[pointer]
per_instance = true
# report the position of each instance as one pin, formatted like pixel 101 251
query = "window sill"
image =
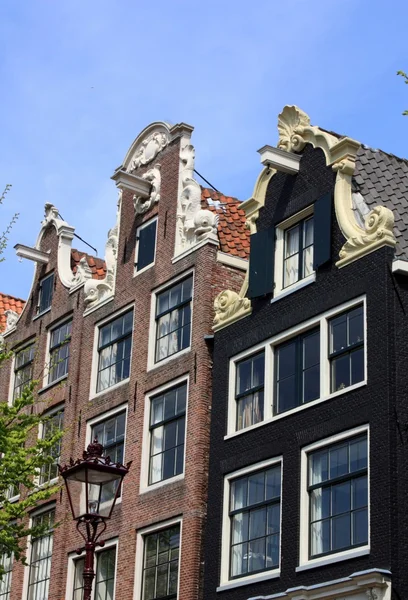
pixel 44 312
pixel 294 287
pixel 109 389
pixel 168 359
pixel 328 560
pixel 248 580
pixel 136 273
pixel 296 410
pixel 45 388
pixel 161 484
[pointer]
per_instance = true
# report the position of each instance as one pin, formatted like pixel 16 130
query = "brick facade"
pixel 186 497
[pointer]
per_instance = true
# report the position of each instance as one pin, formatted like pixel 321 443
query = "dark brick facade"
pixel 381 403
pixel 184 498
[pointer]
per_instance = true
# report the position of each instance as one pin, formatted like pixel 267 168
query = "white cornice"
pixel 286 162
pixel 32 254
pixel 134 183
pixel 400 266
pixel 232 261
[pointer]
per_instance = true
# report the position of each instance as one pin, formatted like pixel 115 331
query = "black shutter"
pixel 261 263
pixel 322 231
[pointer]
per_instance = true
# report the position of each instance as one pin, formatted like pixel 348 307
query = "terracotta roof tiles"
pixel 9 303
pixel 97 265
pixel 232 233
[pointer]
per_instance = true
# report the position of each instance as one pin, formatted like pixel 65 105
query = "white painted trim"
pixel 43 509
pixel 73 557
pixel 298 285
pixel 33 254
pixel 50 329
pixel 192 249
pixel 151 364
pixel 281 160
pixel 232 261
pixel 140 534
pixel 400 266
pixel 95 354
pixel 225 581
pixel 269 345
pixel 304 560
pixel 144 470
pixel 279 247
pixel 142 226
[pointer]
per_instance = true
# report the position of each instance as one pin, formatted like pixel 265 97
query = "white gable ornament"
pixel 148 149
pixel 143 204
pixel 194 224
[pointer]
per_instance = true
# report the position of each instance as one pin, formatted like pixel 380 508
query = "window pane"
pixel 244 376
pixel 339 461
pixel 338 333
pixel 257 523
pixel 256 488
pixel 286 394
pixel 239 563
pixel 292 241
pixel 356 325
pixel 291 270
pixel 340 372
pixel 308 232
pixel 341 501
pixel 286 359
pixel 146 245
pixel 320 504
pixel 360 493
pixel 273 483
pixel 358 454
pixel 320 537
pixel 341 532
pixel 311 384
pixel 256 556
pixel 240 525
pixel 239 493
pixel 360 527
pixel 357 366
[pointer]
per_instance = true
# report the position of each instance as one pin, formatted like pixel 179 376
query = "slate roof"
pixel 232 233
pixel 382 178
pixel 97 265
pixel 9 303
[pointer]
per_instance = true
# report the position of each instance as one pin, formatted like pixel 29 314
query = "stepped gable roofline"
pixel 7 303
pixel 233 234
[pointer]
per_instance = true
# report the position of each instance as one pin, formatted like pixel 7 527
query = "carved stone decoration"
pixel 97 291
pixel 11 319
pixel 51 213
pixel 194 224
pixel 148 149
pixel 142 205
pixel 373 594
pixel 83 272
pixel 229 307
pixel 291 124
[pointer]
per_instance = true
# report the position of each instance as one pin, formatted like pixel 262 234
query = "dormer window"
pixel 45 295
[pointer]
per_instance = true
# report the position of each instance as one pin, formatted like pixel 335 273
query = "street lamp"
pixel 93 484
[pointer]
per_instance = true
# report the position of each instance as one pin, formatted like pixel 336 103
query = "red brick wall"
pixel 186 497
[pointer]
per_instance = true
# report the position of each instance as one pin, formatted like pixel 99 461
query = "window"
pixel 45 293
pixel 161 564
pixel 338 492
pixel 297 367
pixel 173 319
pixel 347 349
pixel 50 427
pixel 114 349
pixel 6 562
pixel 249 393
pixel 298 252
pixel 60 341
pixel 104 583
pixel 251 523
pixel 111 434
pixel 145 245
pixel 303 365
pixel 167 433
pixel 255 522
pixel 23 370
pixel 40 558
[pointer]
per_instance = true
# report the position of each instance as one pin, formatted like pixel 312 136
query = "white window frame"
pixel 279 290
pixel 144 471
pixel 73 557
pixel 50 329
pixel 104 417
pixel 44 509
pixel 269 345
pixel 151 364
pixel 49 413
pixel 95 354
pixel 225 582
pixel 142 226
pixel 26 344
pixel 38 313
pixel 140 535
pixel 304 561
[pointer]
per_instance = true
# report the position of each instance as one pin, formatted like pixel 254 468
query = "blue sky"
pixel 80 79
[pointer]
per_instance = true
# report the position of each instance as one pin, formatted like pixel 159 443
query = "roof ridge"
pixel 11 296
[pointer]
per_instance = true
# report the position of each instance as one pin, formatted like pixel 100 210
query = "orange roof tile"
pixel 9 303
pixel 232 233
pixel 97 265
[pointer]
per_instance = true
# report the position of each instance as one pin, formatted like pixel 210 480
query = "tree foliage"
pixel 5 233
pixel 405 76
pixel 22 457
